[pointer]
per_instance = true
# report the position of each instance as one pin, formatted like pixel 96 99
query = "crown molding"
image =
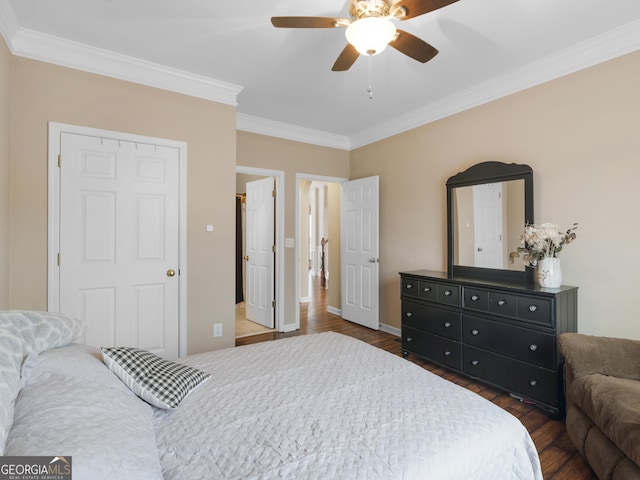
pixel 262 126
pixel 50 49
pixel 47 48
pixel 612 44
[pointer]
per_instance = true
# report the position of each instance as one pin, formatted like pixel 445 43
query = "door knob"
pixel 171 272
pixel 246 257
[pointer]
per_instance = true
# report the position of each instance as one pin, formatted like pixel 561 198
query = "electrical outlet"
pixel 217 329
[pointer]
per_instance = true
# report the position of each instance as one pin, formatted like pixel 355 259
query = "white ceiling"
pixel 282 79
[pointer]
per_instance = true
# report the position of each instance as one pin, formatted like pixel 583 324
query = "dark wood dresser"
pixel 501 333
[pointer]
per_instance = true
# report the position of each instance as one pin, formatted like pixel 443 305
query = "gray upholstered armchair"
pixel 603 402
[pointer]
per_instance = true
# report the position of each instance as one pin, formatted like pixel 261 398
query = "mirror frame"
pixel 489 172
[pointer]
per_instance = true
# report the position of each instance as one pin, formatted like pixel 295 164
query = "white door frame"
pixel 310 177
pixel 53 229
pixel 279 187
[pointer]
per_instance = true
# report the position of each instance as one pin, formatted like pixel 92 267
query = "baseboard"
pixel 334 310
pixel 305 299
pixel 392 330
pixel 289 327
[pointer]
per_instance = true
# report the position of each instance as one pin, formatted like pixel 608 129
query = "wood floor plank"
pixel 558 457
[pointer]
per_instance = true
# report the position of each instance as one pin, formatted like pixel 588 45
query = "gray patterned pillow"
pixel 45 330
pixel 11 354
pixel 159 382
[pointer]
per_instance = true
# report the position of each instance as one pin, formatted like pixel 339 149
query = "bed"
pixel 317 406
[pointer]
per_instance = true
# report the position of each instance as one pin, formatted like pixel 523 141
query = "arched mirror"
pixel 487 207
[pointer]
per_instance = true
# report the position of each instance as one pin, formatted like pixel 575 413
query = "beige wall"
pixel 5 63
pixel 260 151
pixel 41 93
pixel 334 295
pixel 580 135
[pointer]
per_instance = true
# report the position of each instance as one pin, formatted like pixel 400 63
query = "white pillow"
pixel 107 432
pixel 77 360
pixel 157 381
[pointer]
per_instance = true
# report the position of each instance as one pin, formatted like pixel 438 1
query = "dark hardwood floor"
pixel 558 457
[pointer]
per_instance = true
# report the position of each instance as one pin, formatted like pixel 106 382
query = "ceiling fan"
pixel 371 29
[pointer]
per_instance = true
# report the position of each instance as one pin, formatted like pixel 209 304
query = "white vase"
pixel 549 273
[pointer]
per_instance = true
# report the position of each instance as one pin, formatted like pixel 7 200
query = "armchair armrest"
pixel 586 354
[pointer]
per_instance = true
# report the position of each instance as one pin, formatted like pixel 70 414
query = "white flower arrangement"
pixel 542 241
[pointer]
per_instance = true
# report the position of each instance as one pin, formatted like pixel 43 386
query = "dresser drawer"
pixel 428 291
pixel 433 291
pixel 476 299
pixel 503 304
pixel 533 382
pixel 410 286
pixel 532 309
pixel 431 319
pixel 442 350
pixel 530 346
pixel 449 294
pixel 535 309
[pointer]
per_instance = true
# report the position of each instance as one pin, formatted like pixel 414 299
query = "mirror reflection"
pixel 487 222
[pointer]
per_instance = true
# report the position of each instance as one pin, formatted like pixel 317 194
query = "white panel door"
pixel 359 212
pixel 260 219
pixel 119 241
pixel 487 230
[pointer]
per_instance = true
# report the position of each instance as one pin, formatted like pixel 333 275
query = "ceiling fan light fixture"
pixel 370 35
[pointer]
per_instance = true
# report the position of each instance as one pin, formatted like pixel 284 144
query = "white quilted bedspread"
pixel 327 406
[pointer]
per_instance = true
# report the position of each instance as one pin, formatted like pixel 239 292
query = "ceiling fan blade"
pixel 346 58
pixel 414 8
pixel 308 22
pixel 413 47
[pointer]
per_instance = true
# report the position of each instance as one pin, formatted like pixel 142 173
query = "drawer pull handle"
pixel 409 286
pixel 475 332
pixel 409 339
pixel 502 302
pixel 533 382
pixel 475 362
pixel 533 308
pixel 447 353
pixel 409 314
pixel 447 293
pixel 427 289
pixel 533 347
pixel 447 324
pixel 475 298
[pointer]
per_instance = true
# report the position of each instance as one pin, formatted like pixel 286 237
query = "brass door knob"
pixel 171 272
pixel 246 257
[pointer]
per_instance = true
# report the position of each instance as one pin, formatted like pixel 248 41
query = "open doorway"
pixel 259 269
pixel 318 240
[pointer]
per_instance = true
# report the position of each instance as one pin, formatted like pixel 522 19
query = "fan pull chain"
pixel 370 89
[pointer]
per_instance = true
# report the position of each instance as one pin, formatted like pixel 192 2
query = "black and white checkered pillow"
pixel 159 382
